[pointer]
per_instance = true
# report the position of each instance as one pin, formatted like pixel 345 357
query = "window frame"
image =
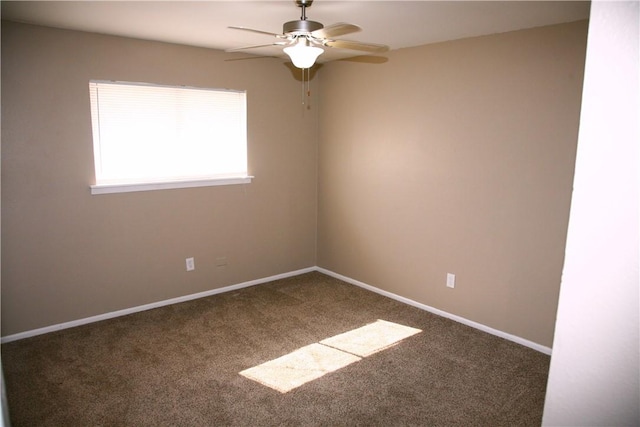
pixel 164 183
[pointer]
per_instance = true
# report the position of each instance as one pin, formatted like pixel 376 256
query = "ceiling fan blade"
pixel 256 46
pixel 335 30
pixel 280 36
pixel 365 47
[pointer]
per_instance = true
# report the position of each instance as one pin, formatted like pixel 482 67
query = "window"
pixel 149 137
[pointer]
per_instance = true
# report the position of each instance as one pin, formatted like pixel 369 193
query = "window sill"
pixel 167 185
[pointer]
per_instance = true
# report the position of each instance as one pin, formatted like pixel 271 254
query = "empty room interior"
pixel 433 196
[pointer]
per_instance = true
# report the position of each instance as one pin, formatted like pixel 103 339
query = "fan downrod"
pixel 303 25
pixel 303 4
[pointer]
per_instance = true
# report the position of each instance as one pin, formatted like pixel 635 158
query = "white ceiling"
pixel 398 24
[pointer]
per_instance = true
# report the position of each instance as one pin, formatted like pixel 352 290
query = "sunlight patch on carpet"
pixel 316 360
pixel 371 338
pixel 299 367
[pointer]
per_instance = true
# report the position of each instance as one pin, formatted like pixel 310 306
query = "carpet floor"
pixel 312 350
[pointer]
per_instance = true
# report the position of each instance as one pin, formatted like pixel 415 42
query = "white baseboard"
pixel 484 328
pixel 124 312
pixel 150 306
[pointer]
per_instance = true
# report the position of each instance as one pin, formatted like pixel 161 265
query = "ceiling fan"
pixel 303 40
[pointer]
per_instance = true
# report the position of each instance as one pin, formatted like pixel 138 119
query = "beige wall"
pixel 67 255
pixel 455 157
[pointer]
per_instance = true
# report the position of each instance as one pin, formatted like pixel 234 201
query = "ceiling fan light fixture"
pixel 302 54
pixel 306 39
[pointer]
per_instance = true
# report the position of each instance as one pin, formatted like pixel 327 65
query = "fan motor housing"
pixel 301 26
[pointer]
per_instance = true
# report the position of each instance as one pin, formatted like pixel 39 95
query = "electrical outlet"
pixel 451 280
pixel 191 264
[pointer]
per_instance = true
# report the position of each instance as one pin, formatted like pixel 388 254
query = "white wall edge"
pixel 126 311
pixel 484 328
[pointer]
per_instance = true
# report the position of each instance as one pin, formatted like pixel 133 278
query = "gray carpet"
pixel 179 366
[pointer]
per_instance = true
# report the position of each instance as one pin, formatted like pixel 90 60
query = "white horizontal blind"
pixel 145 133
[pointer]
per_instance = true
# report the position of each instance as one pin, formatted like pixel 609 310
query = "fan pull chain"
pixel 306 84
